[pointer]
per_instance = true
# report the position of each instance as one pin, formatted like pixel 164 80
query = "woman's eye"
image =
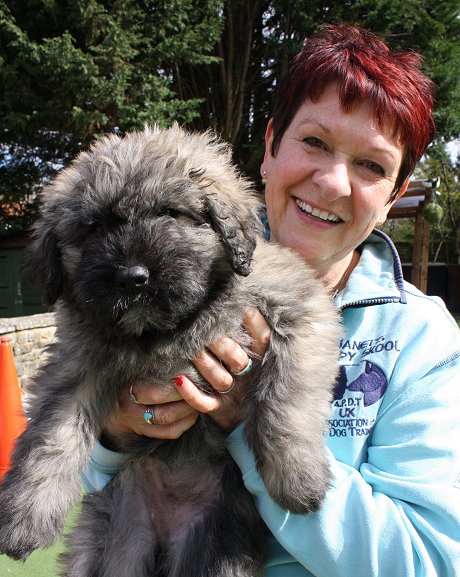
pixel 374 167
pixel 315 142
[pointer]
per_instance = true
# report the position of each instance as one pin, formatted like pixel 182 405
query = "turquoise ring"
pixel 247 369
pixel 149 415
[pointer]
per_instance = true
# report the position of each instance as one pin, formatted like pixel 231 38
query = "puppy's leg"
pixel 114 536
pixel 43 482
pixel 228 541
pixel 287 406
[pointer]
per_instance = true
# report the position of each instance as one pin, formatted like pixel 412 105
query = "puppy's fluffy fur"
pixel 150 246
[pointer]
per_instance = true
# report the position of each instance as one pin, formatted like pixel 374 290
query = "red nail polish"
pixel 179 381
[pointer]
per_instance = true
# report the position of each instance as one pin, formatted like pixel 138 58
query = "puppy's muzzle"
pixel 132 278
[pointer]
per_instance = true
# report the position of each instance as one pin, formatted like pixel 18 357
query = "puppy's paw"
pixel 298 490
pixel 20 533
pixel 13 544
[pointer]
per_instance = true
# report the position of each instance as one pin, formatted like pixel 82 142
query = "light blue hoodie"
pixel 394 441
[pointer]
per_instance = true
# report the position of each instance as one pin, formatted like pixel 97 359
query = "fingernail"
pixel 179 381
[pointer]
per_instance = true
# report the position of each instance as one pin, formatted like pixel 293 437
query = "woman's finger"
pixel 213 371
pixel 147 394
pixel 231 354
pixel 195 397
pixel 225 358
pixel 164 414
pixel 172 431
pixel 169 421
pixel 258 329
pixel 225 410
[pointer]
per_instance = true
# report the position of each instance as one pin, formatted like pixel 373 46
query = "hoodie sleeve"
pixel 103 465
pixel 399 514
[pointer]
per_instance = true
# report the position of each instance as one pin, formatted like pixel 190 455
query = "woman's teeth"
pixel 322 214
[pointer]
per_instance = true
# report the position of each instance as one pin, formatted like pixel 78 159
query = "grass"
pixel 42 563
pixel 39 564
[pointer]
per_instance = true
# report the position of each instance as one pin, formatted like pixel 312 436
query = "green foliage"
pixel 73 69
pixel 238 92
pixel 433 213
pixel 445 234
pixel 442 212
pixel 88 66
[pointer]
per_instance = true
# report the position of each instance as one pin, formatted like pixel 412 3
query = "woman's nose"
pixel 333 180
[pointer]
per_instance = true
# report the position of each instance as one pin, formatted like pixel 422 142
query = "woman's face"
pixel 329 183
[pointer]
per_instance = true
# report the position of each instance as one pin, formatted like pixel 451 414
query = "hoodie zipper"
pixel 370 302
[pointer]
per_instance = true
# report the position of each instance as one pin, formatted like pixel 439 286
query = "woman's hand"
pixel 172 415
pixel 225 408
pixel 176 409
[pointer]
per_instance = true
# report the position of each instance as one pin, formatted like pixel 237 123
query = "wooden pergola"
pixel 418 194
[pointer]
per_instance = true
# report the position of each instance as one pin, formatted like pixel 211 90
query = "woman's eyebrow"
pixel 373 148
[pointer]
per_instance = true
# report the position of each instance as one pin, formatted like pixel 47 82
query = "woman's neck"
pixel 336 277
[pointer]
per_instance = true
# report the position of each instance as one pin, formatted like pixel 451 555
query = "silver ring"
pixel 228 390
pixel 247 369
pixel 149 415
pixel 132 396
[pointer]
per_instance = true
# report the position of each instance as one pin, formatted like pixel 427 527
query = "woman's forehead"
pixel 328 116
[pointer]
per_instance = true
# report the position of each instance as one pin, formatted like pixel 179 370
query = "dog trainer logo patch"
pixel 368 388
pixel 372 383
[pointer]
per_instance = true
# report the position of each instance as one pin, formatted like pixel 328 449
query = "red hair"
pixel 365 69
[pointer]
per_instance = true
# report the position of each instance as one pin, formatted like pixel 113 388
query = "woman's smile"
pixel 330 181
pixel 317 213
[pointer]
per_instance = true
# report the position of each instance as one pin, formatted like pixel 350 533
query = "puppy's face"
pixel 151 268
pixel 141 232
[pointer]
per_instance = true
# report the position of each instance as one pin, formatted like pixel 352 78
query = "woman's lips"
pixel 321 215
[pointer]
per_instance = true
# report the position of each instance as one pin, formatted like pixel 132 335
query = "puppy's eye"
pixel 183 216
pixel 79 233
pixel 169 212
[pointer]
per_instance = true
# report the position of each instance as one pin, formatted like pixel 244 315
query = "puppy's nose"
pixel 132 277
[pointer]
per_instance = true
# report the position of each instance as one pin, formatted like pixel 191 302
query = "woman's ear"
pixel 268 146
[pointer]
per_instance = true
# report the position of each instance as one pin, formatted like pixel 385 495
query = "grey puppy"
pixel 150 246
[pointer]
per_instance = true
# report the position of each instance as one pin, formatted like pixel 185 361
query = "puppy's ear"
pixel 42 262
pixel 237 229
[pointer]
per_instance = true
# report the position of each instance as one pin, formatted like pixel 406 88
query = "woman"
pixel 350 122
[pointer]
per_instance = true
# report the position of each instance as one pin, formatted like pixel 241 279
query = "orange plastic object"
pixel 12 419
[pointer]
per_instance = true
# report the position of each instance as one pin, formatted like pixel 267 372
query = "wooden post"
pixel 421 254
pixel 417 252
pixel 411 205
pixel 425 256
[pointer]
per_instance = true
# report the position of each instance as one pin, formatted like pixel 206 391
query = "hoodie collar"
pixel 377 278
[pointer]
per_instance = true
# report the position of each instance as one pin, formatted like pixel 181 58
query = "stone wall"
pixel 29 337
